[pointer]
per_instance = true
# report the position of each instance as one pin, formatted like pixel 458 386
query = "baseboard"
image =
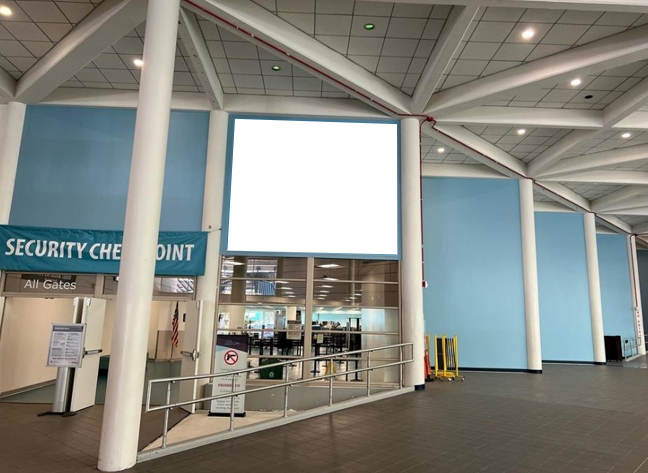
pixel 496 370
pixel 25 389
pixel 571 362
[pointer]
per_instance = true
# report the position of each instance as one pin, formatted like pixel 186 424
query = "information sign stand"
pixel 230 355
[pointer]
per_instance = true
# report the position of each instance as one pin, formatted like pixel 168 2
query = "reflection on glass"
pixel 267 292
pixel 355 294
pixel 182 288
pixel 356 270
pixel 263 268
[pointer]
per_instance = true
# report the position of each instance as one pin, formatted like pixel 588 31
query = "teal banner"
pixel 60 250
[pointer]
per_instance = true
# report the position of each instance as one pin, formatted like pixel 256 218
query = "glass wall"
pixel 354 305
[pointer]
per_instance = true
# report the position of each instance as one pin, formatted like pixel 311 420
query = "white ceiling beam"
pixel 555 152
pixel 634 211
pixel 194 42
pixel 636 121
pixel 7 85
pixel 453 32
pixel 641 228
pixel 593 161
pixel 466 142
pixel 460 170
pixel 253 22
pixel 639 6
pixel 106 24
pixel 604 177
pixel 614 223
pixel 551 206
pixel 614 51
pixel 524 116
pixel 114 98
pixel 624 106
pixel 618 198
pixel 563 194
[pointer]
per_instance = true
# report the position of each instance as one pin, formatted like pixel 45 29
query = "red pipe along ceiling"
pixel 353 91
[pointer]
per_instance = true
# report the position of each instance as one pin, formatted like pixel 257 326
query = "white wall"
pixel 25 338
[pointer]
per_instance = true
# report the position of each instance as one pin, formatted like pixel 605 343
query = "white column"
pixel 530 272
pixel 413 327
pixel 596 309
pixel 207 290
pixel 122 412
pixel 637 311
pixel 10 139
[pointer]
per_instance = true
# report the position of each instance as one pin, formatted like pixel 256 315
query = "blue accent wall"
pixel 565 323
pixel 616 292
pixel 473 263
pixel 75 162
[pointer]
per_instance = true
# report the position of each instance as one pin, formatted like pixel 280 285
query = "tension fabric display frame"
pixel 318 254
pixel 60 250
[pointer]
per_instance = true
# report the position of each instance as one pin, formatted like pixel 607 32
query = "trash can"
pixel 276 372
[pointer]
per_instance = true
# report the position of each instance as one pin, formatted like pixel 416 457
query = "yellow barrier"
pixel 446 358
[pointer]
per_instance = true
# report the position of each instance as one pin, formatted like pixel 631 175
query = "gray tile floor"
pixel 570 419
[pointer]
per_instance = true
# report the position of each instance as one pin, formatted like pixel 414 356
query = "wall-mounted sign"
pixel 66 345
pixel 94 251
pixel 46 284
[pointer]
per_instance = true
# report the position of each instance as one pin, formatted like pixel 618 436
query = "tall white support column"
pixel 123 409
pixel 635 285
pixel 413 327
pixel 530 272
pixel 596 309
pixel 207 290
pixel 10 139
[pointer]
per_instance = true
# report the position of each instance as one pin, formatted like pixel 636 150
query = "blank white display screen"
pixel 314 187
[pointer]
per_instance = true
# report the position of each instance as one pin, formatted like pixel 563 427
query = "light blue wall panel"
pixel 75 162
pixel 642 257
pixel 473 263
pixel 565 325
pixel 616 293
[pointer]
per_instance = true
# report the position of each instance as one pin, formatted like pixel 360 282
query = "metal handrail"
pixel 286 384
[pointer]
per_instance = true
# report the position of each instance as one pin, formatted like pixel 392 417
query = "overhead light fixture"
pixel 330 279
pixel 441 150
pixel 528 33
pixel 576 82
pixel 369 26
pixel 329 266
pixel 292 296
pixel 138 62
pixel 521 131
pixel 324 292
pixel 281 282
pixel 236 263
pixel 286 288
pixel 276 68
pixel 626 135
pixel 5 11
pixel 326 286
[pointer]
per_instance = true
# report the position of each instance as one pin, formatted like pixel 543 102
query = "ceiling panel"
pixel 34 27
pixel 609 140
pixel 494 40
pixel 592 190
pixel 396 50
pixel 525 146
pixel 633 219
pixel 433 151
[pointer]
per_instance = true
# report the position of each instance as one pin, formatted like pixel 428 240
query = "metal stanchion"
pixel 400 367
pixel 368 374
pixel 231 427
pixel 166 415
pixel 331 391
pixel 286 378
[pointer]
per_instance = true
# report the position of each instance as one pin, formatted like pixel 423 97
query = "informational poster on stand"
pixel 294 330
pixel 66 345
pixel 230 355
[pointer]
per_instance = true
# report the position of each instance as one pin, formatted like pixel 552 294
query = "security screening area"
pixel 313 235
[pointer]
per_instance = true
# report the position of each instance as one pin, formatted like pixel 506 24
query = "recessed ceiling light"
pixel 329 266
pixel 331 279
pixel 236 263
pixel 626 135
pixel 528 33
pixel 576 82
pixel 324 291
pixel 521 131
pixel 286 288
pixel 276 68
pixel 292 296
pixel 5 11
pixel 441 150
pixel 369 26
pixel 326 286
pixel 138 62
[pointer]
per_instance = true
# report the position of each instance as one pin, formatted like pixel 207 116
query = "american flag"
pixel 174 323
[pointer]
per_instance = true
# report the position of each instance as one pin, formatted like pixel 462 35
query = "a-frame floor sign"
pixel 191 352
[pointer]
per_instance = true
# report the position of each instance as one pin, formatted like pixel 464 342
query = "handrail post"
pixel 400 367
pixel 368 373
pixel 331 391
pixel 166 415
pixel 232 398
pixel 286 378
